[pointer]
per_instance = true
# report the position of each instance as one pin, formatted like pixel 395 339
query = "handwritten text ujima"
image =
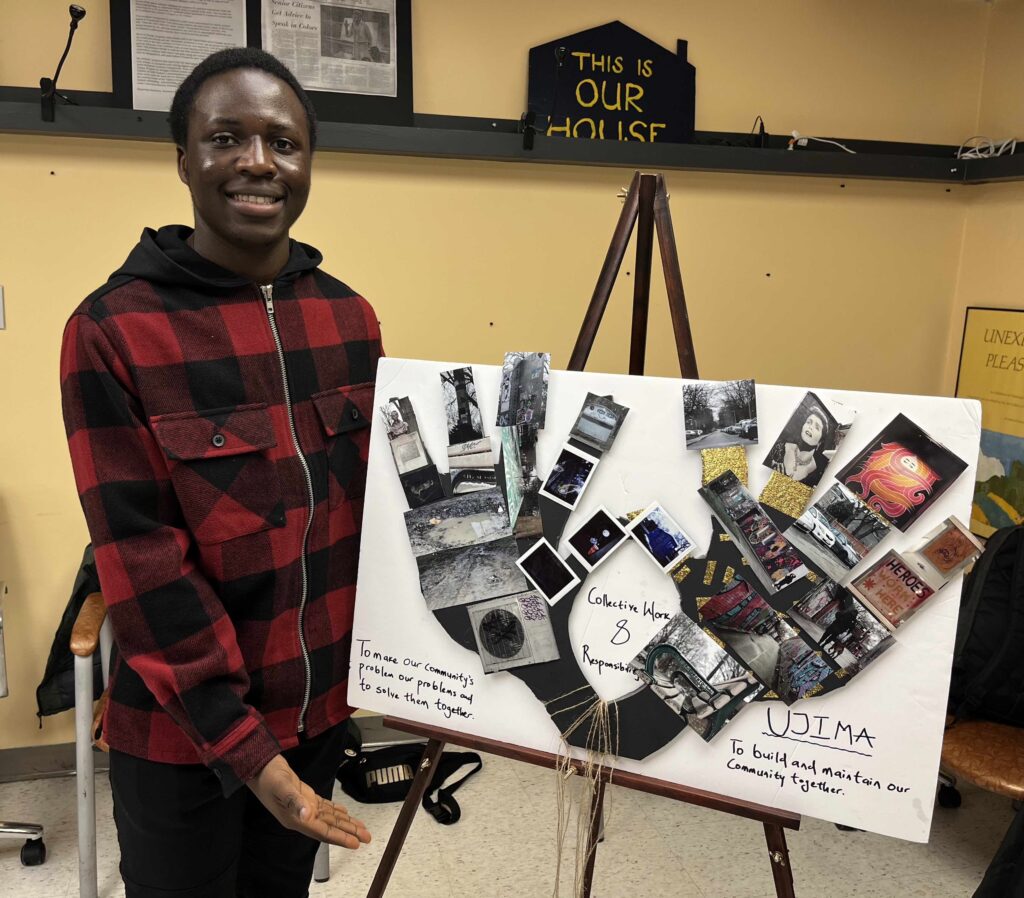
pixel 418 683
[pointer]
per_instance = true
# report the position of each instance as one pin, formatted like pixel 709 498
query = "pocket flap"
pixel 345 408
pixel 187 436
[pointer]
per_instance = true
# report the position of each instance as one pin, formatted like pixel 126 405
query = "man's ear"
pixel 182 164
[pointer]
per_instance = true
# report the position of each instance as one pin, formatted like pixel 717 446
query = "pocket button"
pixel 355 414
pixel 218 440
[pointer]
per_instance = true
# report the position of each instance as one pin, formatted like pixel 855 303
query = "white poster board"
pixel 866 755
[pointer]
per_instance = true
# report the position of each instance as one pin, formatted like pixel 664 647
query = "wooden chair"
pixel 989 755
pixel 92 633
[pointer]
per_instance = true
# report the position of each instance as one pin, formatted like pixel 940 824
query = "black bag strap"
pixel 978 686
pixel 445 809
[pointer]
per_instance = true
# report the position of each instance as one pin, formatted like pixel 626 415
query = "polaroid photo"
pixel 523 393
pixel 470 573
pixel 901 472
pixel 720 413
pixel 845 628
pixel 547 571
pixel 599 422
pixel 808 442
pixel 663 539
pixel 837 532
pixel 598 537
pixel 773 559
pixel 777 654
pixel 893 588
pixel 513 631
pixel 461 407
pixel 458 522
pixel 695 677
pixel 947 551
pixel 569 476
pixel 422 486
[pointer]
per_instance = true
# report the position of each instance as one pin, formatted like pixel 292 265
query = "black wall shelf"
pixel 498 140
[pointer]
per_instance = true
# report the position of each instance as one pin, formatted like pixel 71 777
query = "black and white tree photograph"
pixel 720 413
pixel 460 405
pixel 695 677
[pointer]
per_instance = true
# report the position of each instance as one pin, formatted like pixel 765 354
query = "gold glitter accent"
pixel 633 515
pixel 709 574
pixel 729 573
pixel 714 638
pixel 812 577
pixel 702 602
pixel 724 538
pixel 816 689
pixel 725 458
pixel 771 693
pixel 842 673
pixel 680 572
pixel 786 495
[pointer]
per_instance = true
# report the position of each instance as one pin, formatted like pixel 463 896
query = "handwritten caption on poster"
pixel 417 682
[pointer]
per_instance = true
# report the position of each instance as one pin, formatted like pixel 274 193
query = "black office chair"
pixel 33 852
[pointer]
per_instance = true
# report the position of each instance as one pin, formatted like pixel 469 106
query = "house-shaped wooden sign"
pixel 612 83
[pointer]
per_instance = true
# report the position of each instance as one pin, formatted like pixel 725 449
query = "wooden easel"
pixel 646 201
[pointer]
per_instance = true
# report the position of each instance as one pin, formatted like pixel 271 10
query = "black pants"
pixel 179 836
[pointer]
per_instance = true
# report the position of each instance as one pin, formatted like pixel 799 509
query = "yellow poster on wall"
pixel 992 371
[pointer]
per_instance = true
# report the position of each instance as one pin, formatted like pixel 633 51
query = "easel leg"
pixel 642 279
pixel 596 825
pixel 778 854
pixel 606 280
pixel 412 802
pixel 674 283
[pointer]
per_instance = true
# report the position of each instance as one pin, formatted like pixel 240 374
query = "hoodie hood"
pixel 164 257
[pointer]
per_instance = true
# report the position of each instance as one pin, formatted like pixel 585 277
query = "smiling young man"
pixel 217 395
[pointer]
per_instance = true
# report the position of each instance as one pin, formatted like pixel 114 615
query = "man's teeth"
pixel 252 198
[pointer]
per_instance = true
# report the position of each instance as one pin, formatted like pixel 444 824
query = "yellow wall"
pixel 464 260
pixel 992 263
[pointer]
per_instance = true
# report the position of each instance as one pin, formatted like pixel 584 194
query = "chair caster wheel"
pixel 949 797
pixel 33 853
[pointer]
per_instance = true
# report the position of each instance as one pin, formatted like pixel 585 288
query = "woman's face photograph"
pixel 812 430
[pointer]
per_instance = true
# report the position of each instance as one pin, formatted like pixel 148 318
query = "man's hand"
pixel 296 806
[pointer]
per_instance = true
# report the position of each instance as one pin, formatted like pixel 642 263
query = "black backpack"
pixel 988 661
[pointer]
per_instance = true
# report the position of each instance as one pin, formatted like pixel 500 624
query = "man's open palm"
pixel 297 807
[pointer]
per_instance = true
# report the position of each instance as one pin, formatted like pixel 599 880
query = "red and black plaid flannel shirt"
pixel 198 503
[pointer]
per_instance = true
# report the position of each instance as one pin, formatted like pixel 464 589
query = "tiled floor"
pixel 504 846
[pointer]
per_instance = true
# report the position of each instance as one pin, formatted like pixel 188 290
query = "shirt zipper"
pixel 267 290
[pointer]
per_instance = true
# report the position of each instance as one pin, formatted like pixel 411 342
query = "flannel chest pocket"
pixel 226 482
pixel 345 413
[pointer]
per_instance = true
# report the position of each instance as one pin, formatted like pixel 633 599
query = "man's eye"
pixel 283 145
pixel 222 139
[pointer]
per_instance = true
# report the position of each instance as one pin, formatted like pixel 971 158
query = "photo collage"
pixel 801 610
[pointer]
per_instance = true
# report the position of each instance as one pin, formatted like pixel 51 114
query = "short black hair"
pixel 226 61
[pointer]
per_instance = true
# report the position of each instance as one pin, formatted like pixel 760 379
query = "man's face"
pixel 247 158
